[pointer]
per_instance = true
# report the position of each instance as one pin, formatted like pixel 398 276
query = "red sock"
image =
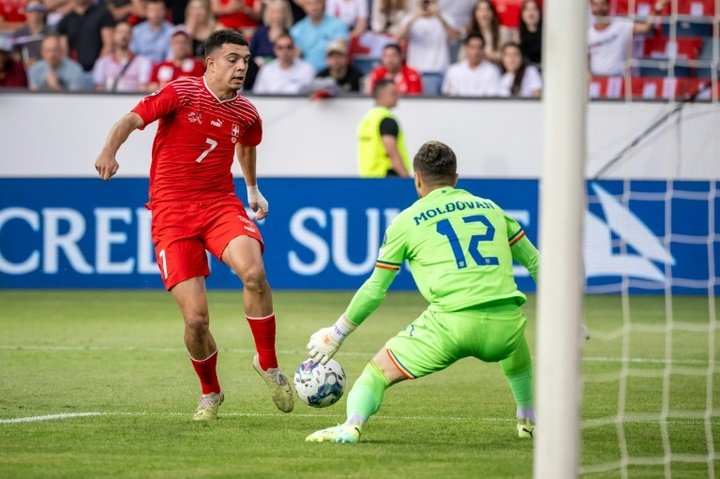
pixel 263 331
pixel 207 373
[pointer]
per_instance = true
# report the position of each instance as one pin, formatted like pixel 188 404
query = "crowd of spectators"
pixel 315 47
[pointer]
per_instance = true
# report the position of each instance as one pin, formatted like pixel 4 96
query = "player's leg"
pixel 244 255
pixel 497 333
pixel 364 399
pixel 368 392
pixel 518 371
pixel 420 349
pixel 191 297
pixel 183 267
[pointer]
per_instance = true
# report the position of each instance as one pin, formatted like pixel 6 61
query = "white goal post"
pixel 562 206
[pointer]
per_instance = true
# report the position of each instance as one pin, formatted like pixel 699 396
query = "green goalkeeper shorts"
pixel 436 340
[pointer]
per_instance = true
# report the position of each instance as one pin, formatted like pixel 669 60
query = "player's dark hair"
pixel 380 85
pixel 436 163
pixel 221 37
pixel 393 46
pixel 472 35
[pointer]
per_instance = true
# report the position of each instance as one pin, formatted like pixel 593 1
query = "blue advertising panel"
pixel 325 233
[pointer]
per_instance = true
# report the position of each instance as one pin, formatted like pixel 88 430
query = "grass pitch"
pixel 109 371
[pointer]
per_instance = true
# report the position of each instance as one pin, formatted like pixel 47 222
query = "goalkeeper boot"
pixel 342 433
pixel 280 389
pixel 208 406
pixel 525 428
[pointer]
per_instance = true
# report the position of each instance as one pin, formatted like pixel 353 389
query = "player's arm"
pixel 522 249
pixel 247 156
pixel 389 132
pixel 106 164
pixel 325 343
pixel 149 109
pixel 525 253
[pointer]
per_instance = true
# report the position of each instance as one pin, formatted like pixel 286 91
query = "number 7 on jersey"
pixel 207 151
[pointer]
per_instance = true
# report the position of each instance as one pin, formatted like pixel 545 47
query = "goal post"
pixel 562 205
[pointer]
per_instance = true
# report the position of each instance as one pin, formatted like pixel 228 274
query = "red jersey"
pixel 165 72
pixel 408 81
pixel 238 19
pixel 13 11
pixel 195 142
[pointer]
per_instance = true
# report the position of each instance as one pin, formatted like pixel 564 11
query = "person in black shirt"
pixel 531 32
pixel 87 32
pixel 346 77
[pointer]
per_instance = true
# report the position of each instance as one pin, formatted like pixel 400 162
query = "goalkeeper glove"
pixel 257 202
pixel 325 342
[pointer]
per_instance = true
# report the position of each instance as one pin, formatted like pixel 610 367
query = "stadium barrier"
pixel 49 135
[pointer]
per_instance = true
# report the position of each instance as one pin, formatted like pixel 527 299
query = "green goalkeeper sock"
pixel 518 371
pixel 366 395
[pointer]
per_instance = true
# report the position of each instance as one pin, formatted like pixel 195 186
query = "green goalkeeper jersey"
pixel 460 249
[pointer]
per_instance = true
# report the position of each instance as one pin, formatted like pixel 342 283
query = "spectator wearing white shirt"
pixel 287 74
pixel 353 12
pixel 387 15
pixel 460 12
pixel 519 78
pixel 475 75
pixel 610 39
pixel 428 32
pixel 121 70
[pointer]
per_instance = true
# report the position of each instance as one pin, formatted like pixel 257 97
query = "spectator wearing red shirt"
pixel 182 64
pixel 12 73
pixel 12 15
pixel 243 15
pixel 407 80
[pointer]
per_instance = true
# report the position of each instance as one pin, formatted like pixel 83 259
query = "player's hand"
pixel 106 165
pixel 322 346
pixel 257 202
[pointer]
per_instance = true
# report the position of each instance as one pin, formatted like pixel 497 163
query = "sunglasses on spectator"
pixel 35 8
pixel 284 47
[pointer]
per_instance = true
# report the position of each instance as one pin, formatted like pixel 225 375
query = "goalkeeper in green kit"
pixel 460 249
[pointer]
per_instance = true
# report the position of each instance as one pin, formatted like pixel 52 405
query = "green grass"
pixel 120 354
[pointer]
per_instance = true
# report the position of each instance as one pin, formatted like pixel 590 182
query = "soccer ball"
pixel 319 385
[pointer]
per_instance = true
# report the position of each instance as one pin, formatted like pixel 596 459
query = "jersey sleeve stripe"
pixel 516 237
pixel 399 365
pixel 391 267
pixel 390 263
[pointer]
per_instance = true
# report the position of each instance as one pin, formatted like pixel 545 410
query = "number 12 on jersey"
pixel 445 228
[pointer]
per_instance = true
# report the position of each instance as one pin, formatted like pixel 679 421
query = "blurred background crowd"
pixel 468 48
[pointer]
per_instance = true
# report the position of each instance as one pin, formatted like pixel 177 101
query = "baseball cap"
pixel 180 30
pixel 339 46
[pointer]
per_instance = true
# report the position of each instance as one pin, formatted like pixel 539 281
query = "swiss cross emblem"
pixel 235 130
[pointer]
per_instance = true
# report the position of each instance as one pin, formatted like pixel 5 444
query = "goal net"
pixel 651 400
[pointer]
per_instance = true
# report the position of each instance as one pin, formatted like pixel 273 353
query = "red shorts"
pixel 183 230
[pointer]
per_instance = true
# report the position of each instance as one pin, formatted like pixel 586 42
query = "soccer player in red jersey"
pixel 203 121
